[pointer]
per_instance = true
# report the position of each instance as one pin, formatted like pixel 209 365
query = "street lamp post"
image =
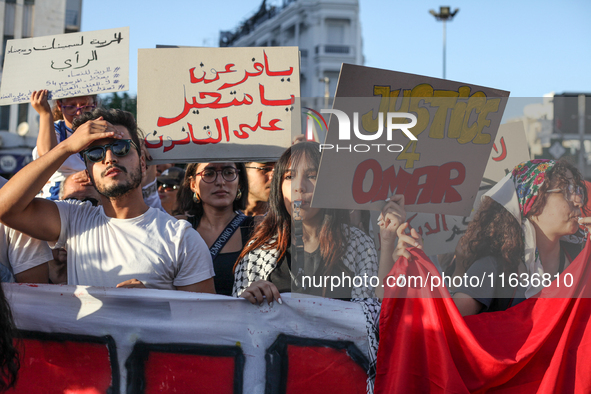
pixel 444 15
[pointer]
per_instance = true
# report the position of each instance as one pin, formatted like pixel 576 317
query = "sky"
pixel 527 47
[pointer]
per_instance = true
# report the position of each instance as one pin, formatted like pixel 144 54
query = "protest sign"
pixel 436 160
pixel 97 340
pixel 441 232
pixel 213 104
pixel 68 65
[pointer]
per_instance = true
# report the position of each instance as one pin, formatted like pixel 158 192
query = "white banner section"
pixel 78 338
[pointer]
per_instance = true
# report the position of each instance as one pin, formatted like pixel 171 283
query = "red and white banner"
pixel 89 340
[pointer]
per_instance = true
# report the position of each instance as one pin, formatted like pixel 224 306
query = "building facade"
pixel 328 33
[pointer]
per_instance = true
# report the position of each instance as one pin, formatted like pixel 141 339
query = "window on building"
pixel 23 112
pixel 336 30
pixel 4 117
pixel 9 16
pixel 28 12
pixel 73 11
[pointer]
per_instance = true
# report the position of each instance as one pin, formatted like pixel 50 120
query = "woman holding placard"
pixel 524 229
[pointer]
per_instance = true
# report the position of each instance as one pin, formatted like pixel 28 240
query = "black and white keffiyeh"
pixel 360 257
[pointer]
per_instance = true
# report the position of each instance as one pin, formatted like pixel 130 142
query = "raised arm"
pixel 392 216
pixel 46 140
pixel 39 218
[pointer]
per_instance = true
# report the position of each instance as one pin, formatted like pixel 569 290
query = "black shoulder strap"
pixel 226 235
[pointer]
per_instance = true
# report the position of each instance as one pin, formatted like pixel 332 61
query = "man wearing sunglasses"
pixel 123 242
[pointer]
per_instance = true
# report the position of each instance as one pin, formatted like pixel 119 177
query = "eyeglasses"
pixel 119 148
pixel 265 170
pixel 209 175
pixel 73 109
pixel 569 192
pixel 167 188
pixel 93 201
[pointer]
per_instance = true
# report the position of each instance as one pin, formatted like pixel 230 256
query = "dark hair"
pixel 9 355
pixel 116 117
pixel 277 222
pixel 494 231
pixel 184 198
pixel 57 112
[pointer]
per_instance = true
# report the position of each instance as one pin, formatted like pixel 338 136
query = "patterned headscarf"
pixel 517 192
pixel 528 177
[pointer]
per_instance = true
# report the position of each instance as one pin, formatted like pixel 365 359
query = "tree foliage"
pixel 120 101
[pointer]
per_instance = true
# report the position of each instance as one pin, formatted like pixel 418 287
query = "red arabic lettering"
pixel 184 141
pixel 248 100
pixel 277 103
pixel 153 146
pixel 217 74
pixel 275 73
pixel 257 66
pixel 503 150
pixel 243 134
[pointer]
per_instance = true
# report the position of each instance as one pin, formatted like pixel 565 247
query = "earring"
pixel 238 195
pixel 196 198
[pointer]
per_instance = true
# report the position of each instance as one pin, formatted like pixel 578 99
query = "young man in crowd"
pixel 259 186
pixel 123 242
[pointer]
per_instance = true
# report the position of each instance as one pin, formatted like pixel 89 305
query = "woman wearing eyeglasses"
pixel 211 198
pixel 65 111
pixel 525 227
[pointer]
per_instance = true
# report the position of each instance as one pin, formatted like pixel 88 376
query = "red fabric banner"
pixel 542 345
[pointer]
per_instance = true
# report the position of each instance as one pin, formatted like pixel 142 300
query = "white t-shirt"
pixel 155 248
pixel 19 252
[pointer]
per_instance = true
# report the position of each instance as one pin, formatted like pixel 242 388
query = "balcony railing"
pixel 331 49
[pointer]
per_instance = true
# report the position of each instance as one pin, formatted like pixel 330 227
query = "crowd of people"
pixel 89 210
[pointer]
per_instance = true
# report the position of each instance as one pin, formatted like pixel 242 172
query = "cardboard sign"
pixel 68 65
pixel 364 161
pixel 218 104
pixel 441 232
pixel 89 339
pixel 510 148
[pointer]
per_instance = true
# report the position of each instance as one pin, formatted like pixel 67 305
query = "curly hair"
pixel 494 231
pixel 277 222
pixel 9 355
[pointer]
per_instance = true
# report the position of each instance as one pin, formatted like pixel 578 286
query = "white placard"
pixel 68 65
pixel 213 104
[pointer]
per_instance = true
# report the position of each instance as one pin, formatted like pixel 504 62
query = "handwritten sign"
pixel 441 232
pixel 436 160
pixel 68 65
pixel 215 104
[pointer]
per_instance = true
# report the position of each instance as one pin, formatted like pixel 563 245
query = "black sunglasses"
pixel 119 148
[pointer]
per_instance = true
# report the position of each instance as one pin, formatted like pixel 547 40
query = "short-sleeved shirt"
pixel 155 248
pixel 19 252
